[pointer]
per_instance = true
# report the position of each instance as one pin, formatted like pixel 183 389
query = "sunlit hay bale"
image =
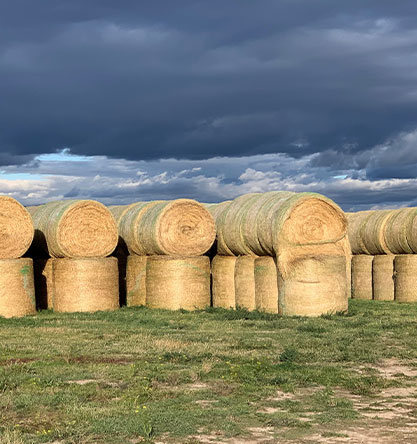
pixel 136 280
pixel 401 231
pixel 219 213
pixel 44 283
pixel 85 284
pixel 374 232
pixel 356 224
pixel 118 212
pixel 223 281
pixel 405 278
pixel 266 284
pixel 175 283
pixel 17 290
pixel 73 229
pixel 383 277
pixel 362 276
pixel 245 282
pixel 16 228
pixel 313 286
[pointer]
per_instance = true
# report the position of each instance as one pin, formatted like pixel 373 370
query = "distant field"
pixel 139 375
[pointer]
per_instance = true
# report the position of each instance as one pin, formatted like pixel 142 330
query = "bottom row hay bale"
pixel 266 284
pixel 362 276
pixel 44 286
pixel 245 282
pixel 136 280
pixel 223 281
pixel 405 271
pixel 383 277
pixel 85 284
pixel 175 283
pixel 17 289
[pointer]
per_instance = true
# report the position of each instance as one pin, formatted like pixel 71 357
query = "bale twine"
pixel 17 290
pixel 266 284
pixel 223 281
pixel 405 272
pixel 85 284
pixel 383 277
pixel 16 228
pixel 356 223
pixel 136 280
pixel 175 283
pixel 373 232
pixel 74 229
pixel 401 231
pixel 362 276
pixel 245 282
pixel 313 286
pixel 44 283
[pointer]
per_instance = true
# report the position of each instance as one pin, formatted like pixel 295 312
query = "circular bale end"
pixel 245 282
pixel 266 284
pixel 405 272
pixel 223 281
pixel 383 277
pixel 362 276
pixel 136 280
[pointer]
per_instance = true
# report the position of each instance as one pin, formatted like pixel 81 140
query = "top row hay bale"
pixel 181 227
pixel 73 229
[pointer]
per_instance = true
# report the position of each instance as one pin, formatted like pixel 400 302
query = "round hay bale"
pixel 175 283
pixel 383 277
pixel 314 286
pixel 223 281
pixel 74 229
pixel 219 213
pixel 86 284
pixel 16 228
pixel 136 280
pixel 362 276
pixel 373 232
pixel 266 284
pixel 405 272
pixel 44 283
pixel 397 231
pixel 356 223
pixel 245 282
pixel 17 290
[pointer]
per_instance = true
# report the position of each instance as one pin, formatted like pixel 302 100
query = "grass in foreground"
pixel 139 375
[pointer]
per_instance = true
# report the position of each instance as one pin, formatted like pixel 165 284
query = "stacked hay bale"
pixel 166 241
pixel 17 292
pixel 77 236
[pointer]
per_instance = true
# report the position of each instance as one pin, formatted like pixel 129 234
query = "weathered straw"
pixel 245 282
pixel 405 272
pixel 223 281
pixel 401 234
pixel 266 284
pixel 44 283
pixel 17 291
pixel 85 284
pixel 356 223
pixel 136 280
pixel 175 283
pixel 219 213
pixel 362 276
pixel 373 232
pixel 16 228
pixel 74 228
pixel 383 277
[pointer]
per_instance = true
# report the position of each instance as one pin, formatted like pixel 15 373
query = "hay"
pixel 245 282
pixel 44 283
pixel 373 232
pixel 362 276
pixel 356 222
pixel 223 281
pixel 17 291
pixel 136 280
pixel 175 283
pixel 16 228
pixel 405 272
pixel 313 286
pixel 383 277
pixel 266 284
pixel 400 233
pixel 74 229
pixel 219 213
pixel 85 284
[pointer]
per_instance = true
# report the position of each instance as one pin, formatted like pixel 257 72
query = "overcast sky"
pixel 130 100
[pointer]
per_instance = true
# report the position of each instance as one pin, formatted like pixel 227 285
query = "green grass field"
pixel 139 375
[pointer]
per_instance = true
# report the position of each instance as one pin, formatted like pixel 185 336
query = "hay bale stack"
pixel 223 281
pixel 17 290
pixel 313 286
pixel 362 276
pixel 405 272
pixel 383 277
pixel 44 283
pixel 401 231
pixel 16 228
pixel 175 283
pixel 219 213
pixel 74 229
pixel 266 284
pixel 245 282
pixel 374 232
pixel 356 223
pixel 136 280
pixel 85 284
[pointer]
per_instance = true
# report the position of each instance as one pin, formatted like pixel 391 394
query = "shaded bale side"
pixel 362 276
pixel 136 280
pixel 219 214
pixel 266 284
pixel 397 231
pixel 373 232
pixel 405 272
pixel 245 282
pixel 44 283
pixel 383 277
pixel 118 212
pixel 223 281
pixel 86 284
pixel 314 286
pixel 17 289
pixel 356 224
pixel 175 283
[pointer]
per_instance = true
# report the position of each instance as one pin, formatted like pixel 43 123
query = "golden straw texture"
pixel 223 281
pixel 266 284
pixel 44 283
pixel 17 291
pixel 399 231
pixel 373 232
pixel 245 282
pixel 219 213
pixel 136 280
pixel 362 276
pixel 356 223
pixel 405 272
pixel 383 277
